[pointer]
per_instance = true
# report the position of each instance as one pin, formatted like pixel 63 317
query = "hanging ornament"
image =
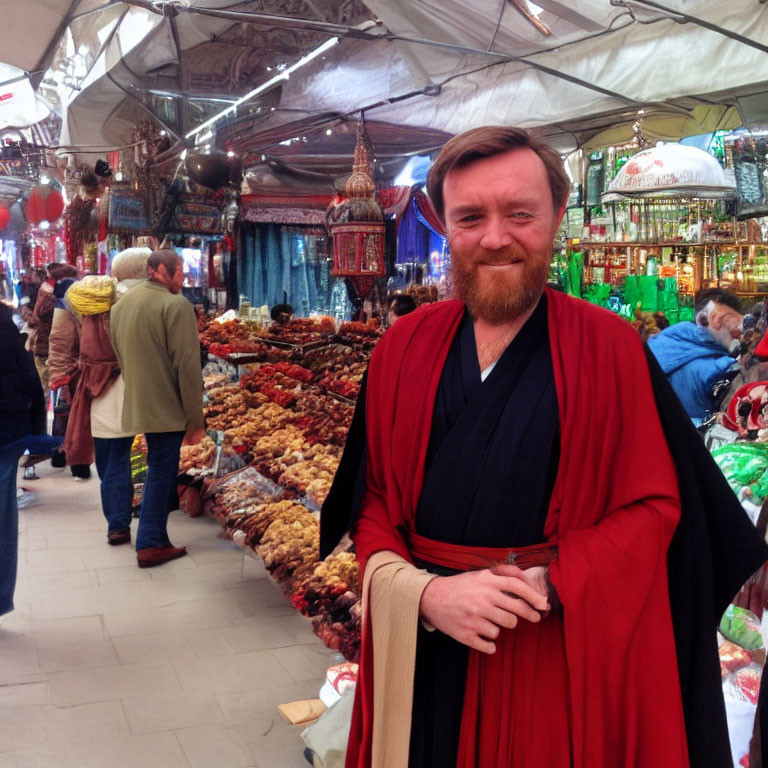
pixel 5 218
pixel 357 227
pixel 44 204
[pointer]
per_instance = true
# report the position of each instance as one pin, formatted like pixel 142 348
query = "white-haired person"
pixel 82 353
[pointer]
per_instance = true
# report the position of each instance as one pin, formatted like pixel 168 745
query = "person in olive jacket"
pixel 154 333
pixel 22 426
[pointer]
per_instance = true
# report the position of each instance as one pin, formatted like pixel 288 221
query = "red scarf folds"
pixel 608 666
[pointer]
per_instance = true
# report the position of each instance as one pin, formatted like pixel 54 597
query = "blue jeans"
pixel 113 463
pixel 9 524
pixel 162 471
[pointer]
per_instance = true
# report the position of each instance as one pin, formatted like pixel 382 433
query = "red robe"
pixel 597 687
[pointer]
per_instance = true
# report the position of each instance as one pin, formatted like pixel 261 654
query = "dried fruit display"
pixel 197 456
pixel 290 548
pixel 284 418
pixel 331 597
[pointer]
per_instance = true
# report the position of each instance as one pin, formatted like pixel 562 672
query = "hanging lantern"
pixel 5 218
pixel 357 227
pixel 44 204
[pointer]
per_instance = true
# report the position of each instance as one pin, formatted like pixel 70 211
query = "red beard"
pixel 499 298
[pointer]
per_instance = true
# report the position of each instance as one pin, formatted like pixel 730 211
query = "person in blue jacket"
pixel 696 355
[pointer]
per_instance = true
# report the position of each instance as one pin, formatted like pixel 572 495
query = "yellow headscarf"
pixel 92 295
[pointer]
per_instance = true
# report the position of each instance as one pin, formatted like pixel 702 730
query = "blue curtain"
pixel 412 238
pixel 277 259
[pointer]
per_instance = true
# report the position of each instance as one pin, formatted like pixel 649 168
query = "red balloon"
pixel 5 217
pixel 35 207
pixel 54 205
pixel 44 203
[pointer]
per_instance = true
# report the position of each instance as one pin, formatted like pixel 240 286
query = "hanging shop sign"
pixel 196 215
pixel 127 212
pixel 285 209
pixel 749 164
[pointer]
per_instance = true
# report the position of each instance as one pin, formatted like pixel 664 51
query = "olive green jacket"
pixel 155 337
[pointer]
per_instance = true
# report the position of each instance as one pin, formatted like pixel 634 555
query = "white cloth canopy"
pixel 580 70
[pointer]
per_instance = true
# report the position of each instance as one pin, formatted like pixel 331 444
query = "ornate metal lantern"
pixel 357 227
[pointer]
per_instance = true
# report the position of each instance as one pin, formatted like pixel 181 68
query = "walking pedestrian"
pixel 154 334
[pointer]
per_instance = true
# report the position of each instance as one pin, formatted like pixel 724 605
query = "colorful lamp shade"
pixel 44 204
pixel 357 228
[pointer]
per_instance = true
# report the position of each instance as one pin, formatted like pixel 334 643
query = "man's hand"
pixel 193 435
pixel 474 607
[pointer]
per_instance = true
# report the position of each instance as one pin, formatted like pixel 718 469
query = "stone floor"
pixel 180 666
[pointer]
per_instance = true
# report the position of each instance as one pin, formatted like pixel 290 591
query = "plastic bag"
pixel 327 738
pixel 745 466
pixel 741 627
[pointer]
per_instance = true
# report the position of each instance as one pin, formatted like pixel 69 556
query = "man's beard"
pixel 499 298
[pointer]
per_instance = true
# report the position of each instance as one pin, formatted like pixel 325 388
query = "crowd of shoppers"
pixel 91 342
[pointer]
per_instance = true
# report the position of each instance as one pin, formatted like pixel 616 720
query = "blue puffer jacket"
pixel 693 362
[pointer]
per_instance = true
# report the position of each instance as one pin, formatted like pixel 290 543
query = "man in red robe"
pixel 520 501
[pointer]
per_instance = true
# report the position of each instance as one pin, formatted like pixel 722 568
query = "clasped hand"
pixel 474 607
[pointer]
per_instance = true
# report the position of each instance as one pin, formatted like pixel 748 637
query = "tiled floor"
pixel 181 666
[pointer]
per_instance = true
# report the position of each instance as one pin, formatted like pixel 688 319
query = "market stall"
pixel 664 228
pixel 278 405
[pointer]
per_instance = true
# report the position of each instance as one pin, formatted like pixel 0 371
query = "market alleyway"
pixel 181 666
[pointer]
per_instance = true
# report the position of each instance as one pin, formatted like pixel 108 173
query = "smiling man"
pixel 519 610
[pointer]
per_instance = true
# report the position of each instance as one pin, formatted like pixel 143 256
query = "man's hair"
pixel 90 181
pixel 280 309
pixel 131 264
pixel 479 143
pixel 170 258
pixel 718 295
pixel 59 271
pixel 401 304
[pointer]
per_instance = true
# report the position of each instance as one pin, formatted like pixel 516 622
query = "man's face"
pixel 725 323
pixel 501 226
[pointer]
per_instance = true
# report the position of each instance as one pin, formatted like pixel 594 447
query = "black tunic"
pixel 491 464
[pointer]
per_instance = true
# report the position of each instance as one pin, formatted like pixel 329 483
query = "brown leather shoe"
pixel 152 556
pixel 120 536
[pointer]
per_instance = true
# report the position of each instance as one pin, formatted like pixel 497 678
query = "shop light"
pixel 184 154
pixel 328 132
pixel 319 51
pixel 230 153
pixel 44 179
pixel 119 176
pixel 44 224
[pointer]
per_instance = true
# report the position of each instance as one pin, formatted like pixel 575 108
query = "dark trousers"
pixel 113 463
pixel 162 471
pixel 9 524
